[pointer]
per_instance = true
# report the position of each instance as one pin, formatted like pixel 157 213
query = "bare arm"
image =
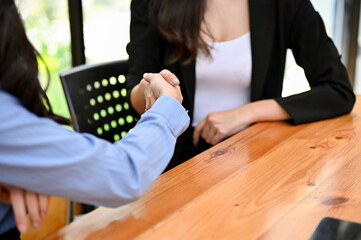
pixel 220 125
pixel 266 110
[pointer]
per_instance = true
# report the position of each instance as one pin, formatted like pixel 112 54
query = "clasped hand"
pixel 156 85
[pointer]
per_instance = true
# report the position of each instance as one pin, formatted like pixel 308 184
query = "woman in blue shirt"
pixel 39 155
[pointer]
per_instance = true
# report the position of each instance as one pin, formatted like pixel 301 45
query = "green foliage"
pixel 47 27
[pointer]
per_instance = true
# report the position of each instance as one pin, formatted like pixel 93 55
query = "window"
pixel 357 86
pixel 106 29
pixel 294 79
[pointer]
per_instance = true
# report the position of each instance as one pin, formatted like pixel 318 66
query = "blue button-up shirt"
pixel 40 155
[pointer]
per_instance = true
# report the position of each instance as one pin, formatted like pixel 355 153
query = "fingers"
pixel 216 139
pixel 18 203
pixel 209 133
pixel 179 94
pixel 159 86
pixel 148 76
pixel 33 208
pixel 149 101
pixel 169 77
pixel 43 204
pixel 147 97
pixel 35 204
pixel 165 74
pixel 197 131
pixel 152 101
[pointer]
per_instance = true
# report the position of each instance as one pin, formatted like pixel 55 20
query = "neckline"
pixel 232 40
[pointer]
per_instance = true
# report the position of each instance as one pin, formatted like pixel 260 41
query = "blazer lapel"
pixel 262 24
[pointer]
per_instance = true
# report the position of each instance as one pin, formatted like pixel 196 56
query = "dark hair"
pixel 19 64
pixel 179 22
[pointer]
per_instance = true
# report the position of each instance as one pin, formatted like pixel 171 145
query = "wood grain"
pixel 254 199
pixel 186 182
pixel 250 186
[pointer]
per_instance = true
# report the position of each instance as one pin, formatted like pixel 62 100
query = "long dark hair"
pixel 19 64
pixel 179 21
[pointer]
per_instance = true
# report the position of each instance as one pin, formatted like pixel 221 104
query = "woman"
pixel 39 155
pixel 229 56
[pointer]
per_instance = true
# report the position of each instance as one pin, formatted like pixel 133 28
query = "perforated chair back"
pixel 97 99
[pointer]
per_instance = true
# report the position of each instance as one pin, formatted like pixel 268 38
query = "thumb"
pixel 169 77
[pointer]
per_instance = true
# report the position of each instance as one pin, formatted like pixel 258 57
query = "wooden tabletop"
pixel 270 181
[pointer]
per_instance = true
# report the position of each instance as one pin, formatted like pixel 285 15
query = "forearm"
pixel 265 110
pixel 60 162
pixel 220 125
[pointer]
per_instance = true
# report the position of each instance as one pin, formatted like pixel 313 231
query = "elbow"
pixel 351 103
pixel 341 98
pixel 120 199
pixel 349 100
pixel 117 193
pixel 137 195
pixel 127 193
pixel 136 190
pixel 133 194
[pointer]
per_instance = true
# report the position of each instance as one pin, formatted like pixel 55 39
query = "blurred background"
pixel 106 33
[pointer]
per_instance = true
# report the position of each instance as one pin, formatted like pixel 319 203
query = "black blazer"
pixel 275 26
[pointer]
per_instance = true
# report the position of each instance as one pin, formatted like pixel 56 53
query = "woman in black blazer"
pixel 169 35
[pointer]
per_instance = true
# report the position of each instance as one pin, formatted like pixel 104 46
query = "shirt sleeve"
pixel 39 155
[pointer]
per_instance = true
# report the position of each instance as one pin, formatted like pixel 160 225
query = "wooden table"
pixel 271 181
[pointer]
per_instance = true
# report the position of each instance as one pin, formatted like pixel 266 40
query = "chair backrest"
pixel 97 99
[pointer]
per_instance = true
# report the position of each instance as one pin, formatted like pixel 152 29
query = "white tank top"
pixel 223 81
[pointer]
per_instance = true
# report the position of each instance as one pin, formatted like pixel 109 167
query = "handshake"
pixel 155 85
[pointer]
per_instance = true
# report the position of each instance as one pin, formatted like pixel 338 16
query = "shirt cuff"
pixel 174 112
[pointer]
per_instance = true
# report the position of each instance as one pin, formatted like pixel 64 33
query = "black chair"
pixel 97 99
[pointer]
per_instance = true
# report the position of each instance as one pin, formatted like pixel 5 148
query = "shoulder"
pixel 292 3
pixel 12 110
pixel 295 6
pixel 291 11
pixel 7 99
pixel 283 8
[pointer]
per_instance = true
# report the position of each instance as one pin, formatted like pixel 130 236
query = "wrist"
pixel 169 94
pixel 254 112
pixel 248 113
pixel 173 92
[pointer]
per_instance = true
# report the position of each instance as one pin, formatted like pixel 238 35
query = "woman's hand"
pixel 23 201
pixel 220 125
